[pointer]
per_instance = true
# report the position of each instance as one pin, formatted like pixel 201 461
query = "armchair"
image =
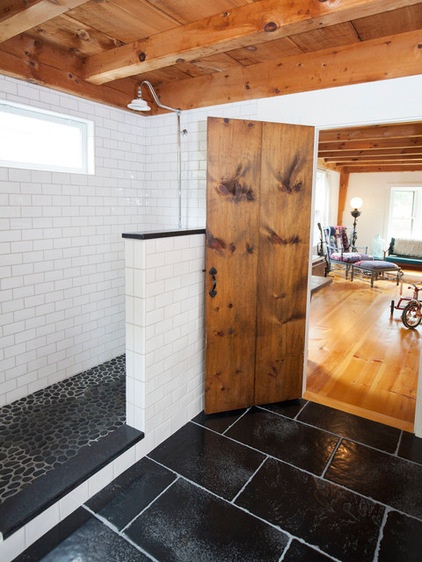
pixel 338 249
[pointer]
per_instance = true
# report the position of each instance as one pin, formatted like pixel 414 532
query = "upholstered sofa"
pixel 405 252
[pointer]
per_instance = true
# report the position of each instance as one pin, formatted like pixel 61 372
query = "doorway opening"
pixel 360 358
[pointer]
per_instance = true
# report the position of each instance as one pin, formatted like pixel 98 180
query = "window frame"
pixel 85 147
pixel 417 205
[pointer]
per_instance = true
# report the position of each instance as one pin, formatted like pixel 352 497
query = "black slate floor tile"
pixel 93 542
pixel 352 427
pixel 218 422
pixel 212 461
pixel 288 408
pixel 401 540
pixel 340 523
pixel 411 447
pixel 391 480
pixel 188 524
pixel 54 537
pixel 285 439
pixel 299 552
pixel 130 493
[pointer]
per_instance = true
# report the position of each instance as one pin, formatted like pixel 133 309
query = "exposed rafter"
pixel 24 15
pixel 249 25
pixel 383 148
pixel 351 64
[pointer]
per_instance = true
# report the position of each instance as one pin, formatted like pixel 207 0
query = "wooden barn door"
pixel 259 192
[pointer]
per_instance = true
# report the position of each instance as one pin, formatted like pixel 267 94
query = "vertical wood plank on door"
pixel 286 195
pixel 233 200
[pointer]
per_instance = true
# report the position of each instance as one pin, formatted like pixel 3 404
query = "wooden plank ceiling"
pixel 380 148
pixel 198 54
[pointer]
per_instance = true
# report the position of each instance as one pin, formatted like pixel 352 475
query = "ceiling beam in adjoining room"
pixel 394 143
pixel 372 132
pixel 379 169
pixel 376 153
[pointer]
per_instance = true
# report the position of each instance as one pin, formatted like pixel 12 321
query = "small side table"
pixel 376 269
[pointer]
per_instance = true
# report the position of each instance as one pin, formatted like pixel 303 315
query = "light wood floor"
pixel 361 360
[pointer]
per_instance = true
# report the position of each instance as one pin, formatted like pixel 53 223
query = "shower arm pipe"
pixel 155 97
pixel 179 147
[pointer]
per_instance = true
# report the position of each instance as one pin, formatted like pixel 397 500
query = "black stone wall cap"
pixel 162 234
pixel 46 490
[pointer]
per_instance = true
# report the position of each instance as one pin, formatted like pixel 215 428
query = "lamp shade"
pixel 356 202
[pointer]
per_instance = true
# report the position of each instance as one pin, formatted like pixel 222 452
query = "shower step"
pixel 46 490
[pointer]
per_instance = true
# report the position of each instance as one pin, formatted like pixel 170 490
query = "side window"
pixel 41 140
pixel 405 208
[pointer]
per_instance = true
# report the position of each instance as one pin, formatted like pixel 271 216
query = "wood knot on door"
pixel 274 238
pixel 234 188
pixel 287 180
pixel 215 243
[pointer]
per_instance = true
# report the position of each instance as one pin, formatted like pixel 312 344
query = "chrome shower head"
pixel 140 104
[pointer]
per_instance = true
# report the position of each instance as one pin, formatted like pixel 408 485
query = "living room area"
pixel 362 359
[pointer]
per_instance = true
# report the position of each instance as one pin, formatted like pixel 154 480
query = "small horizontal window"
pixel 41 140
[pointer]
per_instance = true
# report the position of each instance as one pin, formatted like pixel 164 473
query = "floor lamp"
pixel 356 203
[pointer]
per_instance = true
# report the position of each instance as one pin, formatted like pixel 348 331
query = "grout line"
pixel 139 548
pixel 123 529
pixel 396 452
pixel 301 410
pixel 249 480
pixel 115 530
pixel 381 533
pixel 283 554
pixel 336 448
pixel 235 422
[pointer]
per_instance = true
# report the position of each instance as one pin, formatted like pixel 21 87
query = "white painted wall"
pixel 374 189
pixel 374 102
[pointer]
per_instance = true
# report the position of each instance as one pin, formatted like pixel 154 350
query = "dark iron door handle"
pixel 213 273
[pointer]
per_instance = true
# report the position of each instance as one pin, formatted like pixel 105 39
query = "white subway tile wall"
pixel 61 252
pixel 165 327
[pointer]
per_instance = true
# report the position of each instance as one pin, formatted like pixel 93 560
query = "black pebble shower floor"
pixel 44 430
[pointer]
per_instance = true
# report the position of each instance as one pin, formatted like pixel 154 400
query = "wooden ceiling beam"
pixel 372 132
pixel 26 60
pixel 378 59
pixel 343 160
pixel 365 162
pixel 398 143
pixel 33 13
pixel 378 152
pixel 252 24
pixel 381 168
